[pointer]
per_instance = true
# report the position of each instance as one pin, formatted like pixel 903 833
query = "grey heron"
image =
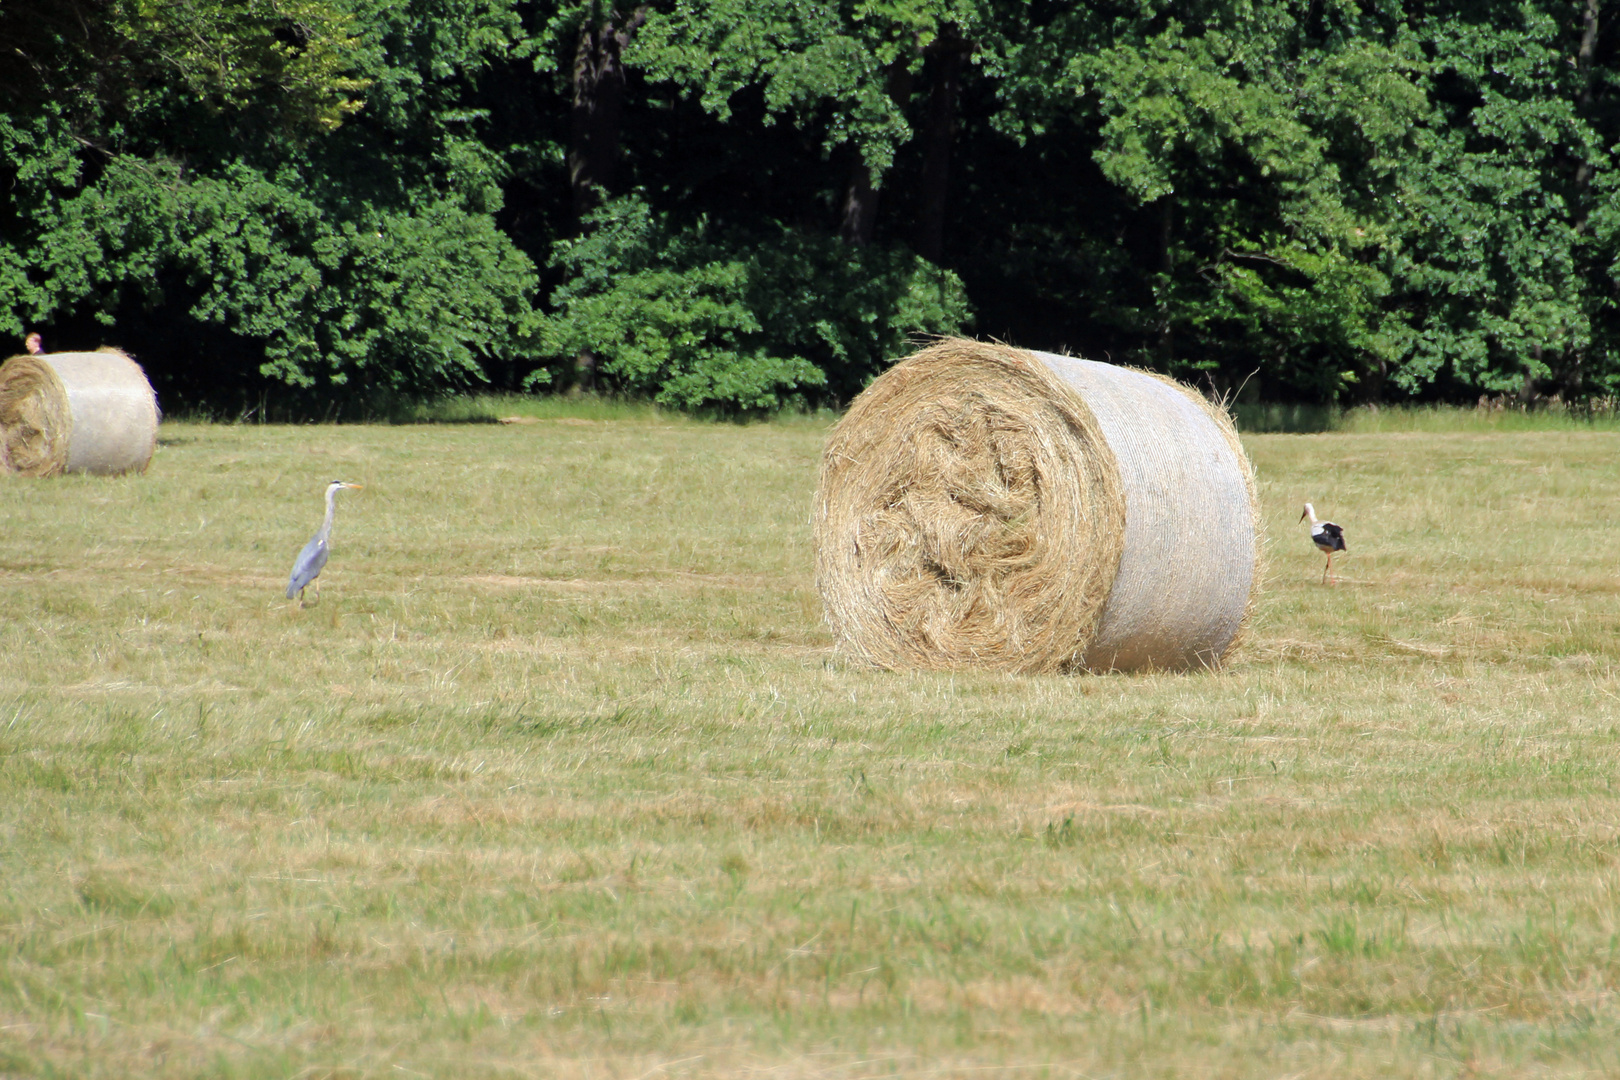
pixel 1327 537
pixel 308 565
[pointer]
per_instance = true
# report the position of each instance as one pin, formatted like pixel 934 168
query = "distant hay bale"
pixel 76 412
pixel 985 506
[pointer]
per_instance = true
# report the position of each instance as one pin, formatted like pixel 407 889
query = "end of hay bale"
pixel 969 514
pixel 35 421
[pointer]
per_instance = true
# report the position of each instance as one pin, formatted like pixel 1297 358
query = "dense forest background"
pixel 739 204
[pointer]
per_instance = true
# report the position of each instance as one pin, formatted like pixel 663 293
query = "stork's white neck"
pixel 1311 511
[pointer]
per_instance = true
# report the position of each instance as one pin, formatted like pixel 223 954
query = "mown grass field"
pixel 561 778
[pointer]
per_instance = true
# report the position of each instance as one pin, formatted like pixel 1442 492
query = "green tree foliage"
pixel 824 65
pixel 720 204
pixel 1269 253
pixel 399 300
pixel 1359 199
pixel 302 174
pixel 125 62
pixel 665 319
pixel 696 319
pixel 1491 210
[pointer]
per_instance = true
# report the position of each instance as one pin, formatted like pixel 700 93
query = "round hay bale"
pixel 76 412
pixel 986 506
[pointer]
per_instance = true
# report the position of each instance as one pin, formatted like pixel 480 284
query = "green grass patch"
pixel 1496 416
pixel 562 777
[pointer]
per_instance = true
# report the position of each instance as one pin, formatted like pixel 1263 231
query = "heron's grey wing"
pixel 307 566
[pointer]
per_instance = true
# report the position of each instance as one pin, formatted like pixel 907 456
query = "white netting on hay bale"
pixel 76 412
pixel 981 505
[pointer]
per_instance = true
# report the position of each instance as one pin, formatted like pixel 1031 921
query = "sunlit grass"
pixel 561 778
pixel 1496 416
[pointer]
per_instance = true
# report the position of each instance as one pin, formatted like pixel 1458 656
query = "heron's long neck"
pixel 331 508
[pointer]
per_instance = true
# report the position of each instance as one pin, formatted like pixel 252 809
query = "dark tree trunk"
pixel 861 197
pixel 860 204
pixel 1167 266
pixel 1588 50
pixel 947 55
pixel 1583 101
pixel 593 144
pixel 1583 173
pixel 1527 382
pixel 1166 261
pixel 593 150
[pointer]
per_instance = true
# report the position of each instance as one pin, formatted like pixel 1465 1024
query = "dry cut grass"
pixel 561 779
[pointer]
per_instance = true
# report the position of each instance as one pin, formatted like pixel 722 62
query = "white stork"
pixel 1327 536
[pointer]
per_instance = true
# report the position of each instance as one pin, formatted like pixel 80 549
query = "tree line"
pixel 735 205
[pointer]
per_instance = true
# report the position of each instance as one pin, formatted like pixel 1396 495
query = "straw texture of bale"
pixel 986 506
pixel 66 412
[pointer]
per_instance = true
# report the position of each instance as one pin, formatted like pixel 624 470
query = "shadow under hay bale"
pixel 985 506
pixel 67 412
